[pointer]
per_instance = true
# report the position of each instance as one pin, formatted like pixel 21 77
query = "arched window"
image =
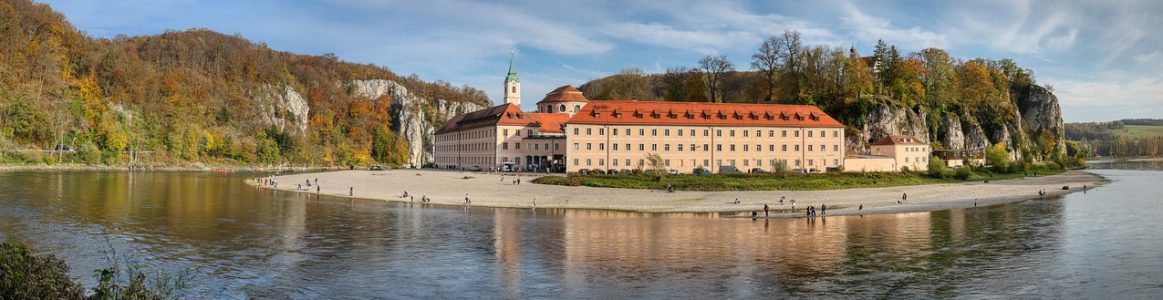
pixel 513 89
pixel 549 108
pixel 562 108
pixel 576 108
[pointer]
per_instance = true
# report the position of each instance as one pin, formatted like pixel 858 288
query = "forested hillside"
pixel 192 96
pixel 952 103
pixel 1128 138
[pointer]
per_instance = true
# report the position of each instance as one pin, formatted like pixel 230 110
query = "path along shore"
pixel 494 190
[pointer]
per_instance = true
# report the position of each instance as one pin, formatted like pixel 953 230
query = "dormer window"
pixel 561 108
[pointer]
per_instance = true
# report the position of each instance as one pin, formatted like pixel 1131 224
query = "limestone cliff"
pixel 283 108
pixel 1033 123
pixel 413 117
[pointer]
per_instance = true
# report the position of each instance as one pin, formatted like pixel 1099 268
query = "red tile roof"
pixel 623 112
pixel 897 140
pixel 565 93
pixel 505 114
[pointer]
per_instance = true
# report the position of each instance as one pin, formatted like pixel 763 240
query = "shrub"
pixel 24 276
pixel 998 157
pixel 89 154
pixel 937 168
pixel 964 172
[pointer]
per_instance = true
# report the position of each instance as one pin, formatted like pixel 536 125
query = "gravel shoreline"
pixel 493 190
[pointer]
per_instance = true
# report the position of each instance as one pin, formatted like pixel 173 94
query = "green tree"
pixel 997 157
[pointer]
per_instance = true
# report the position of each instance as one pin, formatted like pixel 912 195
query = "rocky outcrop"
pixel 1041 117
pixel 886 119
pixel 951 135
pixel 413 117
pixel 282 107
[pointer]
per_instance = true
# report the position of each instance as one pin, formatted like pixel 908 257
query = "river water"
pixel 241 242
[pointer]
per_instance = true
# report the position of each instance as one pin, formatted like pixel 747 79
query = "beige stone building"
pixel 892 153
pixel 502 138
pixel 618 135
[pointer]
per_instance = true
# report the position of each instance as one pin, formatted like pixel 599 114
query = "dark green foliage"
pixel 25 276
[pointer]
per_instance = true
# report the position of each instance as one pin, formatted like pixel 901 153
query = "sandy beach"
pixel 494 190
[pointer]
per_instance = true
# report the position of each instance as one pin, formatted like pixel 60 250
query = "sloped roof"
pixel 701 114
pixel 566 93
pixel 505 114
pixel 897 140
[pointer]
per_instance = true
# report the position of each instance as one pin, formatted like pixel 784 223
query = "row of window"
pixel 706 163
pixel 914 149
pixel 918 159
pixel 706 132
pixel 465 147
pixel 706 147
pixel 534 146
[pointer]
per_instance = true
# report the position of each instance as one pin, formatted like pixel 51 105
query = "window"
pixel 575 146
pixel 589 146
pixel 615 149
pixel 601 131
pixel 718 132
pixel 680 147
pixel 627 134
pixel 666 132
pixel 732 132
pixel 666 147
pixel 692 132
pixel 615 131
pixel 614 162
pixel 654 132
pixel 666 162
pixel 530 132
pixel 771 133
pixel 517 145
pixel 693 147
pixel 823 148
pixel 641 147
pixel 589 162
pixel 642 132
pixel 797 163
pixel 719 147
pixel 679 132
pixel 746 147
pixel 627 162
pixel 906 159
pixel 835 147
pixel 601 146
pixel 653 147
pixel 783 133
pixel 556 146
pixel 758 163
pixel 771 147
pixel 706 163
pixel 797 132
pixel 589 131
pixel 536 147
pixel 574 131
pixel 641 162
pixel 627 148
pixel 504 146
pixel 745 133
pixel 507 132
pixel 731 162
pixel 706 132
pixel 822 134
pixel 517 132
pixel 809 147
pixel 513 89
pixel 835 133
pixel 719 162
pixel 746 163
pixel 758 148
pixel 601 161
pixel 809 133
pixel 811 162
pixel 836 162
pixel 561 109
pixel 797 148
pixel 706 147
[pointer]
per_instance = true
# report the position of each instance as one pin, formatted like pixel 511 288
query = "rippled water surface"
pixel 242 242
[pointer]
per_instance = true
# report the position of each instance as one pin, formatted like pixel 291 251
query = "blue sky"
pixel 1103 58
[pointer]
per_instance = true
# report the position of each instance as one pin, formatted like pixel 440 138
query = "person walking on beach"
pixel 765 211
pixel 823 209
pixel 351 191
pixel 904 197
pixel 781 200
pixel 534 202
pixel 861 207
pixel 466 201
pixel 316 188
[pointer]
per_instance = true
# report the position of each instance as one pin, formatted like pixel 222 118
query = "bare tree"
pixel 768 60
pixel 715 69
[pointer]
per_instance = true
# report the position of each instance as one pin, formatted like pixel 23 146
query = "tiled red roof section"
pixel 897 140
pixel 566 93
pixel 550 123
pixel 702 114
pixel 506 114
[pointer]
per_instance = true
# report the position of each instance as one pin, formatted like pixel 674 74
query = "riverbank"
pixel 188 168
pixel 493 190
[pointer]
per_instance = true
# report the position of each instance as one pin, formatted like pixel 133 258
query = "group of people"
pixel 811 211
pixel 515 181
pixel 423 198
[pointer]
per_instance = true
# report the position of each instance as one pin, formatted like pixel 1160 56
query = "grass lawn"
pixel 767 182
pixel 1140 131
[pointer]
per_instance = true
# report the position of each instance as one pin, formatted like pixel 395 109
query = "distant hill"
pixel 1118 138
pixel 201 96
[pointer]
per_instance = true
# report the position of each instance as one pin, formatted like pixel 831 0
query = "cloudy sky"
pixel 1102 58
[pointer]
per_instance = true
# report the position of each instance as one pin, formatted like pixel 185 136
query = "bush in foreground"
pixel 25 276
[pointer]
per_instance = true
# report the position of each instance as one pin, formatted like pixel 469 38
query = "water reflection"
pixel 246 242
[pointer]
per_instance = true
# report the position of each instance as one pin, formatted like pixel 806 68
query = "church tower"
pixel 512 85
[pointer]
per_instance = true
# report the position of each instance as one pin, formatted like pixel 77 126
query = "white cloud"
pixel 1111 91
pixel 868 28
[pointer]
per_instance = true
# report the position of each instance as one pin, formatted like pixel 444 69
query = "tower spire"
pixel 512 83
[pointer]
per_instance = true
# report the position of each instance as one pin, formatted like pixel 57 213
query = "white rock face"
pixel 409 118
pixel 283 107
